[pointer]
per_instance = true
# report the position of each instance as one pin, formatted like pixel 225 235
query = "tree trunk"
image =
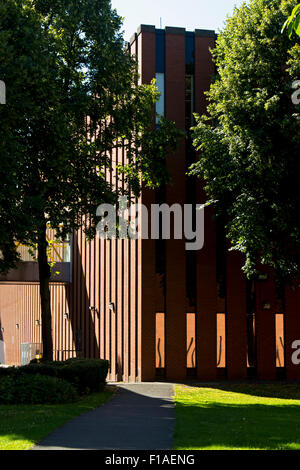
pixel 44 276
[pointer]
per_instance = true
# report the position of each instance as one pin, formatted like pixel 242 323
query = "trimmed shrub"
pixel 44 368
pixel 8 371
pixel 86 375
pixel 7 390
pixel 35 389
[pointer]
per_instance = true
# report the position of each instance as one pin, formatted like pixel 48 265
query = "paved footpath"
pixel 140 416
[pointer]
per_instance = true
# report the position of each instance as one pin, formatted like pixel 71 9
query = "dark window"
pixel 160 51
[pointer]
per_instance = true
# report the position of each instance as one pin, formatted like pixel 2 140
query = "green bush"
pixel 44 368
pixel 86 375
pixel 35 389
pixel 7 389
pixel 8 371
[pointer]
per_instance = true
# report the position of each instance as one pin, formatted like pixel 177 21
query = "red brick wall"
pixel 236 318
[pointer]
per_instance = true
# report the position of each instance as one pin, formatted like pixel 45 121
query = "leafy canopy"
pixel 249 141
pixel 72 98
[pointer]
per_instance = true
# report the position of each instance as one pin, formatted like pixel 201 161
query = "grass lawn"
pixel 22 426
pixel 258 416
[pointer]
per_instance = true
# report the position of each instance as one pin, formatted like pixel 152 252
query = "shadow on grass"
pixel 284 390
pixel 214 419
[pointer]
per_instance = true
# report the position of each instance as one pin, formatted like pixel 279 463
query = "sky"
pixel 190 14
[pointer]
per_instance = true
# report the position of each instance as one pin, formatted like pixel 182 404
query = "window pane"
pixel 160 105
pixel 160 341
pixel 251 346
pixel 279 326
pixel 221 340
pixel 191 340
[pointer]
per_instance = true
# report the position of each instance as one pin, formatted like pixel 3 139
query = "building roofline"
pixel 205 33
pixel 146 28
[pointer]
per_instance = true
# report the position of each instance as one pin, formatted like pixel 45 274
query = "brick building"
pixel 151 307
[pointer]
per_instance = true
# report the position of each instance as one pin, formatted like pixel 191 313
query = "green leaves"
pixel 249 144
pixel 73 101
pixel 292 24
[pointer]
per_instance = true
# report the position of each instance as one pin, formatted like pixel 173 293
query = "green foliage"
pixel 8 371
pixel 292 24
pixel 35 389
pixel 86 375
pixel 249 142
pixel 72 98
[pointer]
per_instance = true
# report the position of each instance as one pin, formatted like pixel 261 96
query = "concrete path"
pixel 139 417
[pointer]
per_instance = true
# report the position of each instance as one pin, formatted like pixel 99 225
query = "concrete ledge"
pixel 204 33
pixel 172 30
pixel 133 39
pixel 146 28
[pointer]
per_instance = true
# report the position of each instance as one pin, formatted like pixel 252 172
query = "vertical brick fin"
pixel 96 280
pixel 106 310
pixel 175 193
pixel 292 329
pixel 206 258
pixel 133 311
pixel 113 365
pixel 102 298
pixel 236 318
pixel 146 253
pixel 93 314
pixel 207 302
pixel 265 329
pixel 204 70
pixel 139 311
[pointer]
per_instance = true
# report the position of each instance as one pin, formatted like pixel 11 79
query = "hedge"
pixel 36 389
pixel 86 375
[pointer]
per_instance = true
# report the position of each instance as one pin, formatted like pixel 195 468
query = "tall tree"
pixel 250 140
pixel 72 97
